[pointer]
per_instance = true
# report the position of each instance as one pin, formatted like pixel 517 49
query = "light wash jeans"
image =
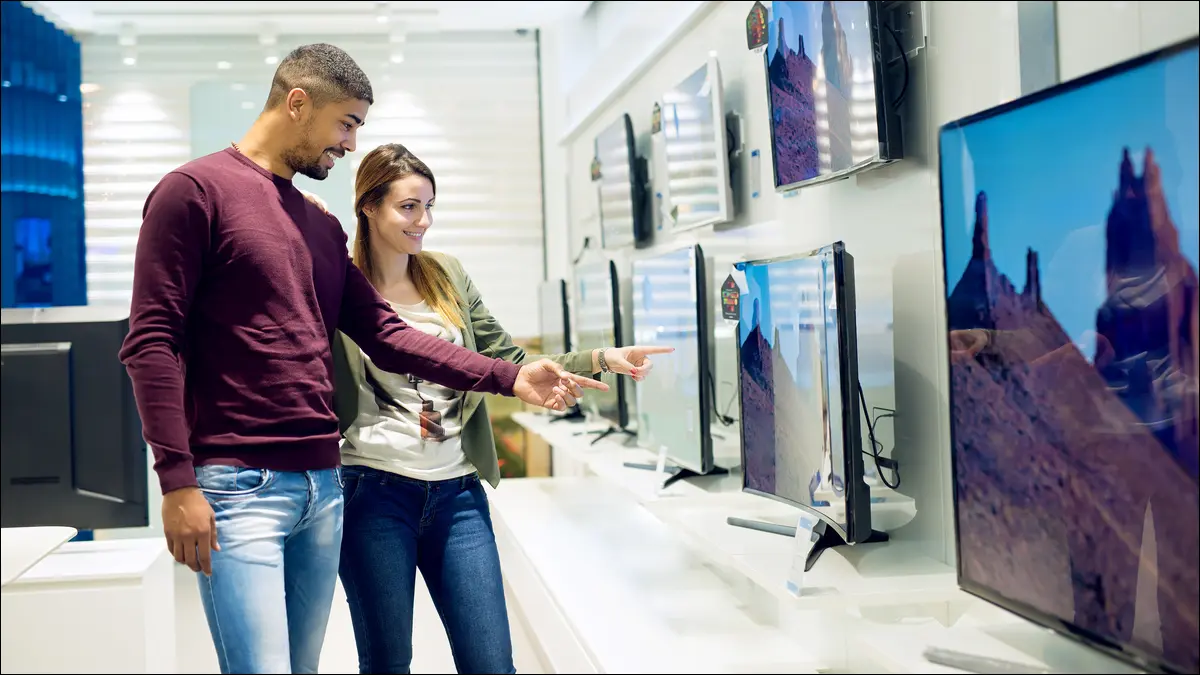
pixel 271 589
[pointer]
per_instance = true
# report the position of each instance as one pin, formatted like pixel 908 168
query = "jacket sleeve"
pixel 492 340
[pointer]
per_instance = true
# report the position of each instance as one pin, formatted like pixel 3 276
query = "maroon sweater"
pixel 238 286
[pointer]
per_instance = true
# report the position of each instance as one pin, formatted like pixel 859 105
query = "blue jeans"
pixel 272 582
pixel 395 526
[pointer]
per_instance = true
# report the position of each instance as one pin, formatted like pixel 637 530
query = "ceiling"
pixel 188 17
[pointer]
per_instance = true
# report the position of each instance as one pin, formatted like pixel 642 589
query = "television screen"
pixel 669 309
pixel 556 332
pixel 798 364
pixel 696 145
pixel 619 186
pixel 1070 237
pixel 597 325
pixel 823 91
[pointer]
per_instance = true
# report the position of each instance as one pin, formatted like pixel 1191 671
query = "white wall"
pixel 889 218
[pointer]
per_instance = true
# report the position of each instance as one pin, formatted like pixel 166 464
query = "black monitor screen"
pixel 1070 226
pixel 556 337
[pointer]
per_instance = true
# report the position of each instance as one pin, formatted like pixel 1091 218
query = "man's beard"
pixel 306 161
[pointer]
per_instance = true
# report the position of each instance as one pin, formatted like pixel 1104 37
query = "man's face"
pixel 327 133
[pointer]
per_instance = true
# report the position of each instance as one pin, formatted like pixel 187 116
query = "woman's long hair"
pixel 379 169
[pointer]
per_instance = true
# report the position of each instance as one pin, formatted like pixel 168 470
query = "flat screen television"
pixel 598 325
pixel 670 309
pixel 696 143
pixel 831 113
pixel 620 176
pixel 800 412
pixel 1070 230
pixel 555 320
pixel 72 451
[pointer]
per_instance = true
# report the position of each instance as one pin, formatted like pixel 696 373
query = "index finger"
pixel 585 382
pixel 655 350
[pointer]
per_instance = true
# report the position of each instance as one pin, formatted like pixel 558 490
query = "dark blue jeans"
pixel 394 526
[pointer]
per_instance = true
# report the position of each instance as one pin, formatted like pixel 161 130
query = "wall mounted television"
pixel 598 324
pixel 1072 309
pixel 621 187
pixel 670 309
pixel 696 143
pixel 831 111
pixel 800 399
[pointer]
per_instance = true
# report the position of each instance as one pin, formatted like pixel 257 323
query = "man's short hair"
pixel 326 73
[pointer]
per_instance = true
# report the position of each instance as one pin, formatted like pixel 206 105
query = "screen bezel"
pixel 703 347
pixel 637 189
pixel 858 494
pixel 1127 653
pixel 882 155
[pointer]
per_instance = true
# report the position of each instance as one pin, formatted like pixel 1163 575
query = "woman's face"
pixel 399 222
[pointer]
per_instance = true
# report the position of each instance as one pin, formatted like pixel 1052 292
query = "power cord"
pixel 587 243
pixel 881 462
pixel 723 418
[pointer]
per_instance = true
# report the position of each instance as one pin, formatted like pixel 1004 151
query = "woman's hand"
pixel 315 200
pixel 632 361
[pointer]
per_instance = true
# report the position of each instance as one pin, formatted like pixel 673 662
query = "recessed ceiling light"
pixel 271 60
pixel 88 88
pixel 129 61
pixel 224 65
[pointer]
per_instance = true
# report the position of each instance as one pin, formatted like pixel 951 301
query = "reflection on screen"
pixel 1074 425
pixel 594 316
pixel 615 185
pixel 822 89
pixel 665 297
pixel 695 151
pixel 553 317
pixel 791 383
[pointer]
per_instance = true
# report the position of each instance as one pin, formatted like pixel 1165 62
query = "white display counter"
pixel 92 607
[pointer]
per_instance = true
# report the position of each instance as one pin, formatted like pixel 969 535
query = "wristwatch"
pixel 603 362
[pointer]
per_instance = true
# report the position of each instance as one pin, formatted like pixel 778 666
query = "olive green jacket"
pixel 483 334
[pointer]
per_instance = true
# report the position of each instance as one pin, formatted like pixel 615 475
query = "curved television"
pixel 798 359
pixel 831 115
pixel 1070 236
pixel 696 144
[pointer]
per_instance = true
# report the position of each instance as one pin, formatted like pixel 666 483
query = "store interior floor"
pixel 431 651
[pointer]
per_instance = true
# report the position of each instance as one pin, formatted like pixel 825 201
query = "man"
pixel 239 282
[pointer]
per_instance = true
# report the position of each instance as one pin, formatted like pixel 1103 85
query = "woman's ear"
pixel 369 210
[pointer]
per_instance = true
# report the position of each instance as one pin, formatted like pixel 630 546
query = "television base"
pixel 827 537
pixel 574 415
pixel 677 473
pixel 606 433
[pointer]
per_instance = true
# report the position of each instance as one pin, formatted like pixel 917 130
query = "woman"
pixel 414 452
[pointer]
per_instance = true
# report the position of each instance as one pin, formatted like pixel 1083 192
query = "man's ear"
pixel 297 103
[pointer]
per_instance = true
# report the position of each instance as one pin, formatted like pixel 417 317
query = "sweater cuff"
pixel 505 376
pixel 176 475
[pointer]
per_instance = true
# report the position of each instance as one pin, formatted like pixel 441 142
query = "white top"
pixel 23 547
pixel 404 425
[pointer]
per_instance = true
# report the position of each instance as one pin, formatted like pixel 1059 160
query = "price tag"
pixel 756 28
pixel 806 538
pixel 755 173
pixel 660 469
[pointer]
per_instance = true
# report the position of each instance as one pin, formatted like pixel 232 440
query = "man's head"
pixel 324 96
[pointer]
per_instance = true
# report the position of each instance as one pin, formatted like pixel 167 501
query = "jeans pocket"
pixel 232 481
pixel 339 476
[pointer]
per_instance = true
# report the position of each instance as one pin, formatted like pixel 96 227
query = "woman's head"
pixel 394 193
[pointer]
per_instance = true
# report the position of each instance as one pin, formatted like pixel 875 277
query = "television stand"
pixel 677 473
pixel 575 415
pixel 827 537
pixel 605 433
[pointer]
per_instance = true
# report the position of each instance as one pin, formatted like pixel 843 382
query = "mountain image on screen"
pixel 1077 472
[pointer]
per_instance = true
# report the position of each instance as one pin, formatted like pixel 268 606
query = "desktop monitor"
pixel 800 412
pixel 72 451
pixel 556 323
pixel 598 325
pixel 830 110
pixel 696 144
pixel 670 309
pixel 620 176
pixel 1070 231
